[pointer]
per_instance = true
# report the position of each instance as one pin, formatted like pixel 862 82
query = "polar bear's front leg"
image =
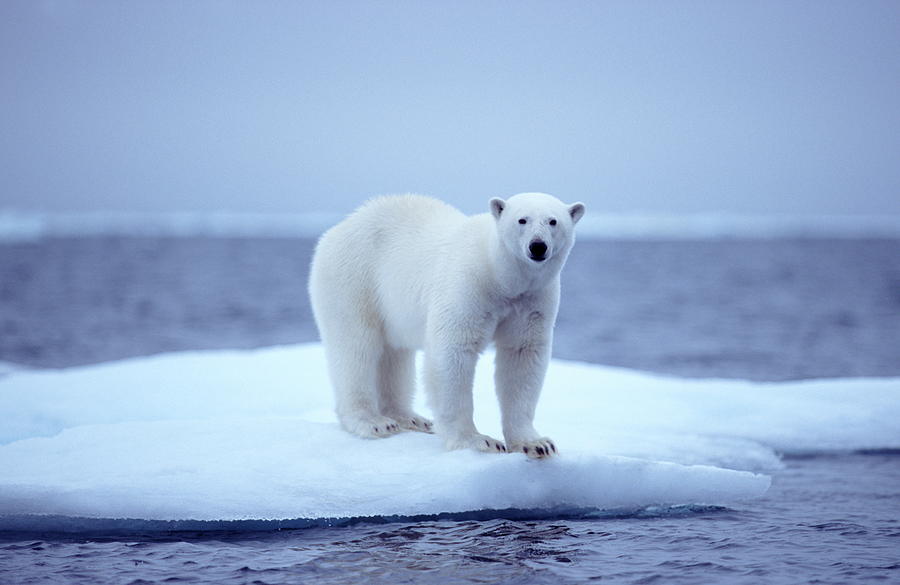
pixel 518 378
pixel 449 375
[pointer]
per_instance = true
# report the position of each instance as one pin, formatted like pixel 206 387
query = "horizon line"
pixel 31 226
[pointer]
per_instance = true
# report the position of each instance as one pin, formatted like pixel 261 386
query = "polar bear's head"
pixel 536 227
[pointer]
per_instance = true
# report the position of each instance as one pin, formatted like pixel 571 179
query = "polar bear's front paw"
pixel 410 421
pixel 477 442
pixel 371 427
pixel 536 449
pixel 489 445
pixel 414 422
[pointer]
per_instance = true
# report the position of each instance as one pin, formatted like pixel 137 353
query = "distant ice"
pixel 8 368
pixel 28 226
pixel 24 226
pixel 250 435
pixel 729 226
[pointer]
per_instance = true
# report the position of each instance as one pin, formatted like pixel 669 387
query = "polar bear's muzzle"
pixel 537 250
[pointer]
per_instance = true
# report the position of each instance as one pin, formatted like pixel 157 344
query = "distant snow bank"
pixel 725 226
pixel 24 226
pixel 250 436
pixel 9 367
pixel 20 226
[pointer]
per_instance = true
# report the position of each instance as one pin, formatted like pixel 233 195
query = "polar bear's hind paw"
pixel 386 429
pixel 422 424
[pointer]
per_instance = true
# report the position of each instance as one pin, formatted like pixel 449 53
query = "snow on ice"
pixel 244 435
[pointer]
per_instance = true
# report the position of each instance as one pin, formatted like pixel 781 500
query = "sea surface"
pixel 756 309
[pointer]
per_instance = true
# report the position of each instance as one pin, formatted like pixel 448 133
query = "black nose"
pixel 537 249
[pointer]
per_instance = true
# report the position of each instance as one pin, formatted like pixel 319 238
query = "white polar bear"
pixel 409 272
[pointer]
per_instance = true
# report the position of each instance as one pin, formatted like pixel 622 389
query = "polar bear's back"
pixel 391 228
pixel 400 215
pixel 377 264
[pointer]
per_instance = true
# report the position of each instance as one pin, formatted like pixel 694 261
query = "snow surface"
pixel 28 226
pixel 241 435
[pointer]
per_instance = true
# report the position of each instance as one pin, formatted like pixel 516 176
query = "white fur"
pixel 409 272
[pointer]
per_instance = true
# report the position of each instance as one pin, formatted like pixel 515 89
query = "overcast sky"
pixel 663 107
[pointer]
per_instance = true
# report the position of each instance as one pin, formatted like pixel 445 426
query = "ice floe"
pixel 250 435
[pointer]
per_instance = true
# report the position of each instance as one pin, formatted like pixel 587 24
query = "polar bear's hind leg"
pixel 396 388
pixel 353 355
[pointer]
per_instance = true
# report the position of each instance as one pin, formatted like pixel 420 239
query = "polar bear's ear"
pixel 497 207
pixel 576 210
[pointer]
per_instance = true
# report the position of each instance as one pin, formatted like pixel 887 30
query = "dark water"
pixel 753 309
pixel 758 309
pixel 825 520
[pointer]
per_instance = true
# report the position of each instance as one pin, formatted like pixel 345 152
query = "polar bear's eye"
pixel 552 222
pixel 523 221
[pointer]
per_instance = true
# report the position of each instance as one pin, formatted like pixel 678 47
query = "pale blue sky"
pixel 661 107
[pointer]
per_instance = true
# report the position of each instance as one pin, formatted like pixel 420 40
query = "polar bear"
pixel 409 272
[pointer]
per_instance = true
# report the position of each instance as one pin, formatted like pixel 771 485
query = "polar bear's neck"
pixel 515 275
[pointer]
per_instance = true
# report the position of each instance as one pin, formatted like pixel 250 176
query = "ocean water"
pixel 758 309
pixel 828 520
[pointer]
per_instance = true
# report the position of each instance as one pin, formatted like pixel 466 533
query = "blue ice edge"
pixel 17 526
